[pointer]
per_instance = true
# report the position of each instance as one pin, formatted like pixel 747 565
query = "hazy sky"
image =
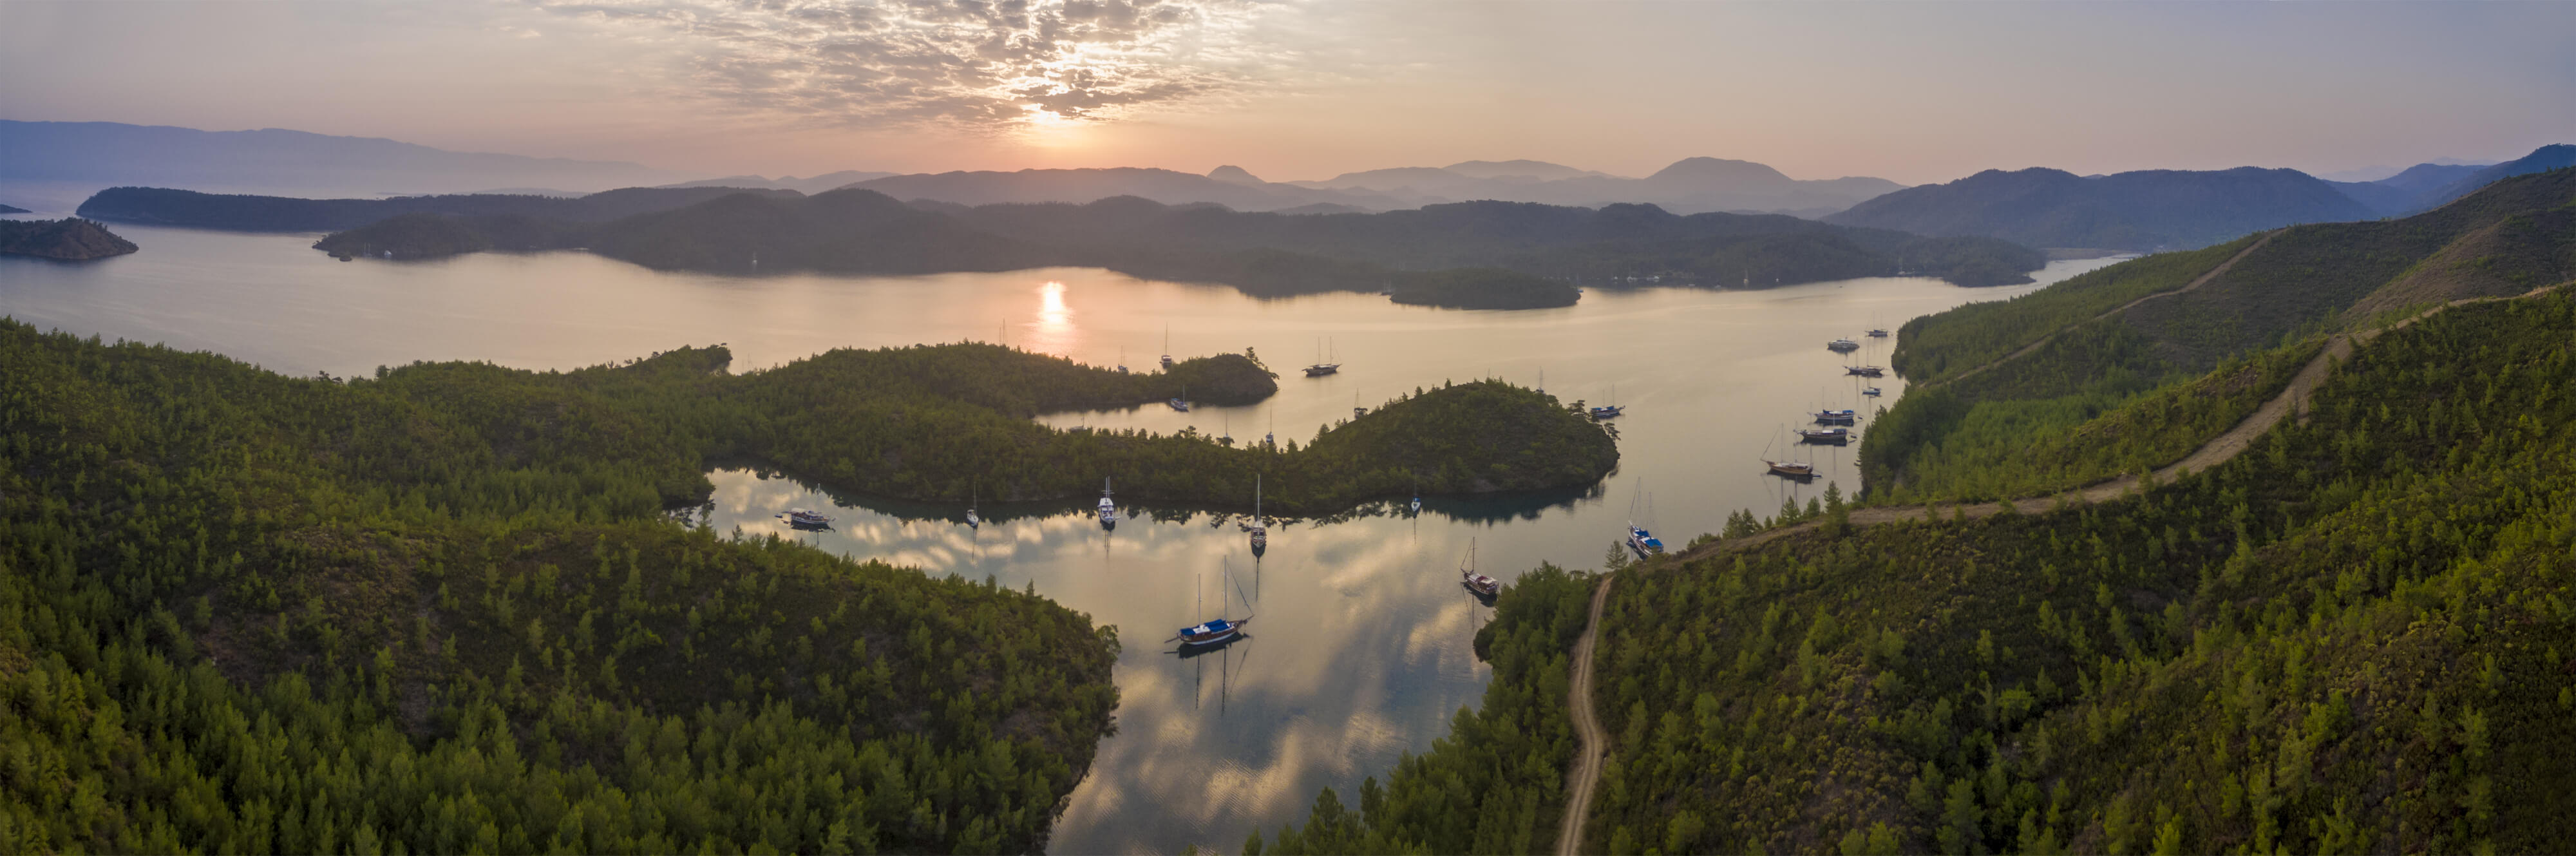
pixel 1915 92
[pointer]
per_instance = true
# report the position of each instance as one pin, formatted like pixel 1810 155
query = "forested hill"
pixel 859 231
pixel 2016 398
pixel 165 207
pixel 2146 211
pixel 443 611
pixel 68 239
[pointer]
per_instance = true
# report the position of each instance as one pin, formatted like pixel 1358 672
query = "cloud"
pixel 990 64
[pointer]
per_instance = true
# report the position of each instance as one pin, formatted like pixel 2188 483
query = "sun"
pixel 1046 128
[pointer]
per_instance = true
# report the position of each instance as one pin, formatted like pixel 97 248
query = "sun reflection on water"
pixel 1053 331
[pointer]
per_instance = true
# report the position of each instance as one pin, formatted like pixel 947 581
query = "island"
pixel 70 239
pixel 1449 255
pixel 12 209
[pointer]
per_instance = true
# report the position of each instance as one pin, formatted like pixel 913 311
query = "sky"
pixel 1301 89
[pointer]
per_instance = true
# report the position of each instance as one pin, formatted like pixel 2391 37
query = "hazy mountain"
pixel 1541 170
pixel 808 186
pixel 2140 211
pixel 1691 185
pixel 275 160
pixel 2433 183
pixel 2408 190
pixel 2543 159
pixel 165 207
pixel 12 209
pixel 1232 174
pixel 1237 189
pixel 2376 173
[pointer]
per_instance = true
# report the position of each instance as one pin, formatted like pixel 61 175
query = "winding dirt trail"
pixel 1586 772
pixel 2197 282
pixel 2291 400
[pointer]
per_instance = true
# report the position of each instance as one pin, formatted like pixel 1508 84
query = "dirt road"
pixel 1586 773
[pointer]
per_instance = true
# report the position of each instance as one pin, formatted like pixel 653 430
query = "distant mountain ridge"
pixel 1688 186
pixel 272 159
pixel 2146 210
pixel 822 183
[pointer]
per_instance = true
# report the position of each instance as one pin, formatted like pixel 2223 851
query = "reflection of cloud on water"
pixel 1358 648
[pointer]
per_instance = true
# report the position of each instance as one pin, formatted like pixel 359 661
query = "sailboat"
pixel 1482 586
pixel 1643 542
pixel 1215 631
pixel 1260 530
pixel 803 519
pixel 1167 346
pixel 1797 470
pixel 1865 371
pixel 1356 410
pixel 1607 411
pixel 1108 508
pixel 1842 346
pixel 1122 360
pixel 1870 391
pixel 1837 417
pixel 973 522
pixel 1417 501
pixel 1182 403
pixel 1321 367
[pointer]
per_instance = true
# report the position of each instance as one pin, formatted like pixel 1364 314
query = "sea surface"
pixel 1360 645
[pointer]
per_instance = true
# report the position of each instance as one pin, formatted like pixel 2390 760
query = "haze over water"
pixel 1361 647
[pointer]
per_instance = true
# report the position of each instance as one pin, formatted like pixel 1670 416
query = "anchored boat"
pixel 803 519
pixel 1865 371
pixel 1321 367
pixel 1645 543
pixel 1842 346
pixel 1108 508
pixel 1483 586
pixel 1836 417
pixel 1260 530
pixel 1824 436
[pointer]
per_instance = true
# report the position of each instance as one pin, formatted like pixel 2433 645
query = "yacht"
pixel 803 519
pixel 1842 346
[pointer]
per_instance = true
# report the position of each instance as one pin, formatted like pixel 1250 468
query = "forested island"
pixel 161 206
pixel 12 209
pixel 69 239
pixel 2351 637
pixel 1449 255
pixel 1444 255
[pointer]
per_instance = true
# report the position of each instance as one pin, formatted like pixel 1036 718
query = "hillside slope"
pixel 1998 383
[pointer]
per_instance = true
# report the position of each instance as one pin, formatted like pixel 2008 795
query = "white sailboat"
pixel 1108 508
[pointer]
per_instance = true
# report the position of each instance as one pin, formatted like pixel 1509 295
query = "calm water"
pixel 1360 648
